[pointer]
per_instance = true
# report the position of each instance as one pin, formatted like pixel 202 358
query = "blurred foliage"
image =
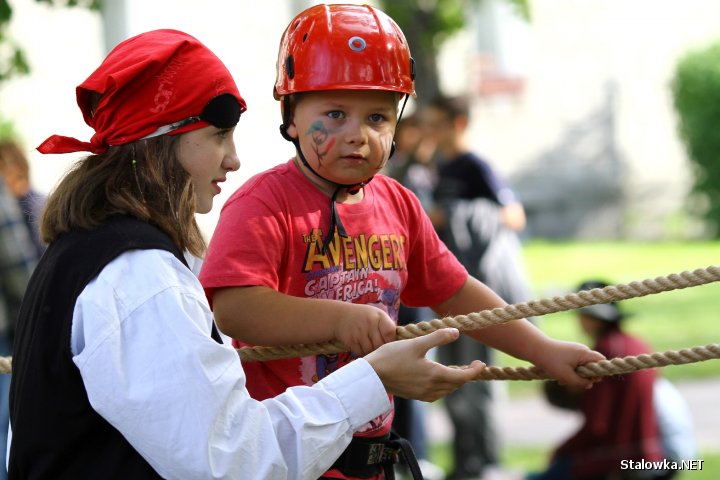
pixel 7 130
pixel 696 97
pixel 91 4
pixel 12 58
pixel 427 24
pixel 438 19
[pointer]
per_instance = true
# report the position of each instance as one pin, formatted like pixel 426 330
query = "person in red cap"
pixel 620 427
pixel 324 248
pixel 118 369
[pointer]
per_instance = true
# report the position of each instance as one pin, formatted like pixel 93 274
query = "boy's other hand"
pixel 365 328
pixel 561 358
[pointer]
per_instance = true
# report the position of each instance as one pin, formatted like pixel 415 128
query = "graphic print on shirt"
pixel 363 269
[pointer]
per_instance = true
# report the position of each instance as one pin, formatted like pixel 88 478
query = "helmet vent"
pixel 305 37
pixel 290 66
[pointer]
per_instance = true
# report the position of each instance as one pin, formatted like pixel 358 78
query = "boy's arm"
pixel 519 338
pixel 262 316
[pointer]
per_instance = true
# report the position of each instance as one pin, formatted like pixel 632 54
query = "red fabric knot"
pixel 146 82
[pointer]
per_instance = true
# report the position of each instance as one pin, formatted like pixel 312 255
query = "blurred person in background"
pixel 479 217
pixel 475 211
pixel 15 169
pixel 626 417
pixel 675 422
pixel 17 262
pixel 413 163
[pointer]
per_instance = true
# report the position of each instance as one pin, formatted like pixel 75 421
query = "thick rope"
pixel 614 366
pixel 5 365
pixel 474 321
pixel 486 318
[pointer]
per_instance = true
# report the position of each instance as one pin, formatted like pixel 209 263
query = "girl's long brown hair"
pixel 143 179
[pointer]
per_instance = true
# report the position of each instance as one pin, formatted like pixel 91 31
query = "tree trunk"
pixel 426 78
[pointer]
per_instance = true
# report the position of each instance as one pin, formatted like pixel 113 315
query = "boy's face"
pixel 345 135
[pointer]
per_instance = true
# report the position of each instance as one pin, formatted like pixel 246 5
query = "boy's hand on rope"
pixel 405 372
pixel 364 328
pixel 561 358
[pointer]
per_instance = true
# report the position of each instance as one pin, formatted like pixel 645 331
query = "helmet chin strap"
pixel 352 188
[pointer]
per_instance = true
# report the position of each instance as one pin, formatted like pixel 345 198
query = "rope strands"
pixel 614 366
pixel 486 318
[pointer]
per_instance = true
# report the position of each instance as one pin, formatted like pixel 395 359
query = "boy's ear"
pixel 291 130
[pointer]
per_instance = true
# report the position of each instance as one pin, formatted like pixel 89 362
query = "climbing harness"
pixel 367 457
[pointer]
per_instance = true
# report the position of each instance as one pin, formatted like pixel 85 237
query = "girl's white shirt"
pixel 141 340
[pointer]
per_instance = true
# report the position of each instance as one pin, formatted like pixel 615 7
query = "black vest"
pixel 56 433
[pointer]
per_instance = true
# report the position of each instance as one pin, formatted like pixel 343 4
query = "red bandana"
pixel 149 81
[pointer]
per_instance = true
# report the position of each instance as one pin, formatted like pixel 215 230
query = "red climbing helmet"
pixel 339 47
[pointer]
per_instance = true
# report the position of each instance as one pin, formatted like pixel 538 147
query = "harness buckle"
pixel 382 453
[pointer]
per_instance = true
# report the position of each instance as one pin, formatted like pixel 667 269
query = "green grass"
pixel 560 262
pixel 667 321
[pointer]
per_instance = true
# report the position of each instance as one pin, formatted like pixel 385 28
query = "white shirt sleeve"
pixel 141 340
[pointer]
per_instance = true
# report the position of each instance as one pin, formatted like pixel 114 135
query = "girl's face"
pixel 207 154
pixel 345 135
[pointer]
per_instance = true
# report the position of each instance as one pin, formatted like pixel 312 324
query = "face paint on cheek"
pixel 320 138
pixel 329 145
pixel 387 147
pixel 318 132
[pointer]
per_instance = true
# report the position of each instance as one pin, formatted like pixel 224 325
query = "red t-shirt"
pixel 270 233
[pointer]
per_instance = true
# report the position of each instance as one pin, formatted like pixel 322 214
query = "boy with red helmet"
pixel 325 231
